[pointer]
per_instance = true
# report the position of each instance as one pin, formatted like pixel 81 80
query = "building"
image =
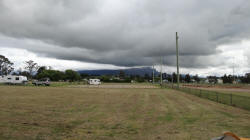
pixel 219 81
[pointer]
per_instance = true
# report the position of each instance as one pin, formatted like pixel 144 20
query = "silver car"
pixel 44 81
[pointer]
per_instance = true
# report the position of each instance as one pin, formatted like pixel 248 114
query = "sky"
pixel 214 36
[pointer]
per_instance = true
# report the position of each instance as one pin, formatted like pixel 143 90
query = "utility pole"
pixel 233 71
pixel 172 80
pixel 161 70
pixel 153 74
pixel 177 61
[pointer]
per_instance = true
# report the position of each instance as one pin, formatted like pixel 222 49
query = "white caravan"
pixel 12 79
pixel 94 81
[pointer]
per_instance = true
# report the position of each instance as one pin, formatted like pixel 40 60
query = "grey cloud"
pixel 126 33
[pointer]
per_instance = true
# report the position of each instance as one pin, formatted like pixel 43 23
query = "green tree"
pixel 227 79
pixel 84 75
pixel 196 78
pixel 105 78
pixel 146 77
pixel 187 78
pixel 31 67
pixel 72 75
pixel 24 73
pixel 247 77
pixel 53 75
pixel 174 76
pixel 6 66
pixel 41 69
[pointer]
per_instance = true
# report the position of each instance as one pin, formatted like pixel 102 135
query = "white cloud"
pixel 233 55
pixel 19 56
pixel 125 33
pixel 233 59
pixel 68 34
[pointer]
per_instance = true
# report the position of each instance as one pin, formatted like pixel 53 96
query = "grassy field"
pixel 236 89
pixel 232 91
pixel 216 96
pixel 114 113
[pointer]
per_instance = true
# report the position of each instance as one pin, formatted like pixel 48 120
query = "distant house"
pixel 238 81
pixel 165 81
pixel 206 81
pixel 219 81
pixel 210 81
pixel 192 81
pixel 116 78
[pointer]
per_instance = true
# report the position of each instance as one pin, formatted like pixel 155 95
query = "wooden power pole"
pixel 177 61
pixel 153 74
pixel 161 70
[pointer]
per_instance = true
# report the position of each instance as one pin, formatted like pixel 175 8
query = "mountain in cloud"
pixel 131 71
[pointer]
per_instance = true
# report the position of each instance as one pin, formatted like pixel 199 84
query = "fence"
pixel 228 99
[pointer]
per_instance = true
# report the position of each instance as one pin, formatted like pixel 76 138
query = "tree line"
pixel 33 71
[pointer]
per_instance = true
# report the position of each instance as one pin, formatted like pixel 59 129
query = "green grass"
pixel 189 120
pixel 247 94
pixel 236 89
pixel 122 114
pixel 168 117
pixel 217 96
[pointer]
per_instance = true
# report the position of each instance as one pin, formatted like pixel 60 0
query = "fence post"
pixel 231 97
pixel 200 92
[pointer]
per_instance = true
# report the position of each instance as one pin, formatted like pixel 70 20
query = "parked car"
pixel 44 81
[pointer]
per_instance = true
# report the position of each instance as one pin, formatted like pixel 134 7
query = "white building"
pixel 219 81
pixel 192 81
pixel 13 79
pixel 206 81
pixel 165 81
pixel 94 81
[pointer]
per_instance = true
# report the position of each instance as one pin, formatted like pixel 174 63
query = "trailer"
pixel 94 81
pixel 13 79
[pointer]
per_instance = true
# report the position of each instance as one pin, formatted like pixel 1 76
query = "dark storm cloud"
pixel 126 33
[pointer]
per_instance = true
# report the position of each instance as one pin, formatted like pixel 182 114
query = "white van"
pixel 12 79
pixel 94 81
